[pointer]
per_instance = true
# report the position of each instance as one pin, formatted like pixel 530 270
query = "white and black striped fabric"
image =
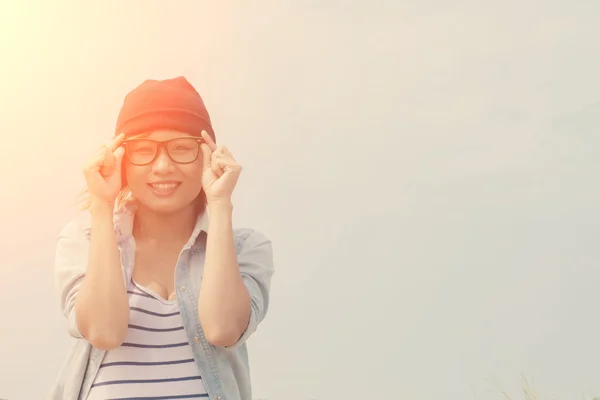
pixel 155 361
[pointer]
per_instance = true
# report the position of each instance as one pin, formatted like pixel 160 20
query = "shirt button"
pixel 197 340
pixel 182 289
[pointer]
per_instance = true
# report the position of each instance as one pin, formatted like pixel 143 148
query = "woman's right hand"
pixel 103 172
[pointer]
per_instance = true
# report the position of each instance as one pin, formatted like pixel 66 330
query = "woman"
pixel 160 300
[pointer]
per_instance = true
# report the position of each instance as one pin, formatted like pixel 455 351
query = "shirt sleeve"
pixel 70 264
pixel 255 260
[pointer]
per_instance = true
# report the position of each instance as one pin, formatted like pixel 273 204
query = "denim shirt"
pixel 225 370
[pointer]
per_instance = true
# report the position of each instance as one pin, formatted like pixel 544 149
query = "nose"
pixel 162 164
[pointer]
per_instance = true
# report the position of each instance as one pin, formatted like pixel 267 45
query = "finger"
pixel 119 153
pixel 206 155
pixel 225 164
pixel 208 140
pixel 224 156
pixel 94 165
pixel 99 159
pixel 116 142
pixel 216 166
pixel 108 164
pixel 225 150
pixel 220 150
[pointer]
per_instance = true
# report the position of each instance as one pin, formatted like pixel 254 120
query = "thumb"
pixel 206 156
pixel 119 152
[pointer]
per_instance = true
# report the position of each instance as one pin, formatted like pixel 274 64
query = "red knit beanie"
pixel 167 104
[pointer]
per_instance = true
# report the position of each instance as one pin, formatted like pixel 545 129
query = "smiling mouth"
pixel 164 187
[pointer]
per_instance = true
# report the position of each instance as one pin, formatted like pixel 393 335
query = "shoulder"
pixel 76 229
pixel 255 254
pixel 248 238
pixel 71 254
pixel 254 251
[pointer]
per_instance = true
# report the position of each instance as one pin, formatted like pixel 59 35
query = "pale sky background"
pixel 427 171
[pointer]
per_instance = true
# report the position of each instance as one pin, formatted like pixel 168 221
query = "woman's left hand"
pixel 220 171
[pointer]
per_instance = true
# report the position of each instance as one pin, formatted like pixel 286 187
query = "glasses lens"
pixel 141 151
pixel 183 150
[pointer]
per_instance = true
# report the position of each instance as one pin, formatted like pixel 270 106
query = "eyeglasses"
pixel 182 150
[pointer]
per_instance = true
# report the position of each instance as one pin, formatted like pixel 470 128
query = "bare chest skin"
pixel 154 268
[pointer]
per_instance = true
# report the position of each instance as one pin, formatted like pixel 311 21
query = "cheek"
pixel 134 175
pixel 193 172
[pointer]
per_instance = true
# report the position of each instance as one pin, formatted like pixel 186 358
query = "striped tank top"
pixel 155 361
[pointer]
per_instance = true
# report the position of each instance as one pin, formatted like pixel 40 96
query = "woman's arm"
pixel 234 292
pixel 90 278
pixel 102 306
pixel 224 301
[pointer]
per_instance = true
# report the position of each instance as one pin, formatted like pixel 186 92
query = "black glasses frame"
pixel 161 144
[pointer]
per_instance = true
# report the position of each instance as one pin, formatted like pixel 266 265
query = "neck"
pixel 149 225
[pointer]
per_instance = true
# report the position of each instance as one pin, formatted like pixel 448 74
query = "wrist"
pixel 101 208
pixel 220 206
pixel 221 215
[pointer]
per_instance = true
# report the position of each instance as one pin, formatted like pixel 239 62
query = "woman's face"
pixel 164 169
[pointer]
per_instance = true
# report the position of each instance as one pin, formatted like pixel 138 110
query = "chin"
pixel 164 209
pixel 166 206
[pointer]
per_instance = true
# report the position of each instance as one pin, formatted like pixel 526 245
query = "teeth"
pixel 164 186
